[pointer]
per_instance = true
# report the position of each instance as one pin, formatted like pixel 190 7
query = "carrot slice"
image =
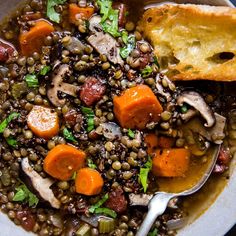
pixel 43 122
pixel 63 160
pixel 165 142
pixel 33 40
pixel 74 10
pixel 171 162
pixel 136 107
pixel 88 182
pixel 151 140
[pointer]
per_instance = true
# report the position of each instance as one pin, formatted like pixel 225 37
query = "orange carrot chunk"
pixel 136 107
pixel 63 160
pixel 171 162
pixel 43 122
pixel 75 11
pixel 32 41
pixel 88 182
pixel 151 140
pixel 165 142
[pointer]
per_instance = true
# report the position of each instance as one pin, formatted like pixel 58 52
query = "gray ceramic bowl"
pixel 218 218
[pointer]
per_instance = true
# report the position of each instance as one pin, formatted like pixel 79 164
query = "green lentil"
pixel 116 165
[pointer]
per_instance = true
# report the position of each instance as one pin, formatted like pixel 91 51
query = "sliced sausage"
pixel 6 51
pixel 27 219
pixel 122 13
pixel 117 200
pixel 92 91
pixel 223 160
pixel 73 117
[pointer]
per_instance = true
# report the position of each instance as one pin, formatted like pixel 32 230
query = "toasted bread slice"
pixel 193 41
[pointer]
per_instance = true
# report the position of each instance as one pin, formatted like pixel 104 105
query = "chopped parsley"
pixel 97 209
pixel 184 108
pixel 110 17
pixel 24 194
pixel 124 36
pixel 127 49
pixel 156 61
pixel 68 135
pixel 153 233
pixel 131 133
pixel 99 203
pixel 4 123
pixel 11 141
pixel 106 211
pixel 146 71
pixel 91 164
pixel 32 81
pixel 88 112
pixel 51 13
pixel 45 70
pixel 143 174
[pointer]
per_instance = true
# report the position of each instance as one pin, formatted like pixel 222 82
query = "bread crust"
pixel 193 42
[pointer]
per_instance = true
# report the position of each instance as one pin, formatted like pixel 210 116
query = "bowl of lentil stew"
pixel 65 99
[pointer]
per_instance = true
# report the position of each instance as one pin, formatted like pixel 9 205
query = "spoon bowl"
pixel 159 202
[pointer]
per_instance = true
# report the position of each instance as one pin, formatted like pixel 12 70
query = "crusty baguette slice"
pixel 193 41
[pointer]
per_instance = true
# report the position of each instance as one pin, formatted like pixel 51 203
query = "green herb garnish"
pixel 45 70
pixel 127 49
pixel 156 61
pixel 4 123
pixel 91 164
pixel 110 18
pixel 24 194
pixel 11 141
pixel 131 133
pixel 124 36
pixel 88 112
pixel 32 81
pixel 73 176
pixel 105 7
pixel 146 71
pixel 106 211
pixel 143 174
pixel 68 135
pixel 51 13
pixel 184 109
pixel 99 203
pixel 153 233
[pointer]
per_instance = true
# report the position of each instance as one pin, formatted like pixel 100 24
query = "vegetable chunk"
pixel 84 12
pixel 63 160
pixel 43 122
pixel 151 141
pixel 171 162
pixel 88 182
pixel 136 107
pixel 32 41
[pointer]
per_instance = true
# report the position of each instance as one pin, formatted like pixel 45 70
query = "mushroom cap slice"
pixel 59 86
pixel 40 185
pixel 196 101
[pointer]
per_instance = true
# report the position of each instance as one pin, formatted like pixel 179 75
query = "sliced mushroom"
pixel 39 184
pixel 195 100
pixel 139 199
pixel 104 43
pixel 59 86
pixel 214 134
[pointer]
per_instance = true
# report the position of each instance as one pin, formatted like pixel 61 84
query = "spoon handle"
pixel 156 207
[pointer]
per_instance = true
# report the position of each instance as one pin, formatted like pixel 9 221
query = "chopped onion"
pixel 111 130
pixel 176 223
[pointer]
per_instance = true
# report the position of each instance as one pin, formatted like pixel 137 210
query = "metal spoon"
pixel 159 202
